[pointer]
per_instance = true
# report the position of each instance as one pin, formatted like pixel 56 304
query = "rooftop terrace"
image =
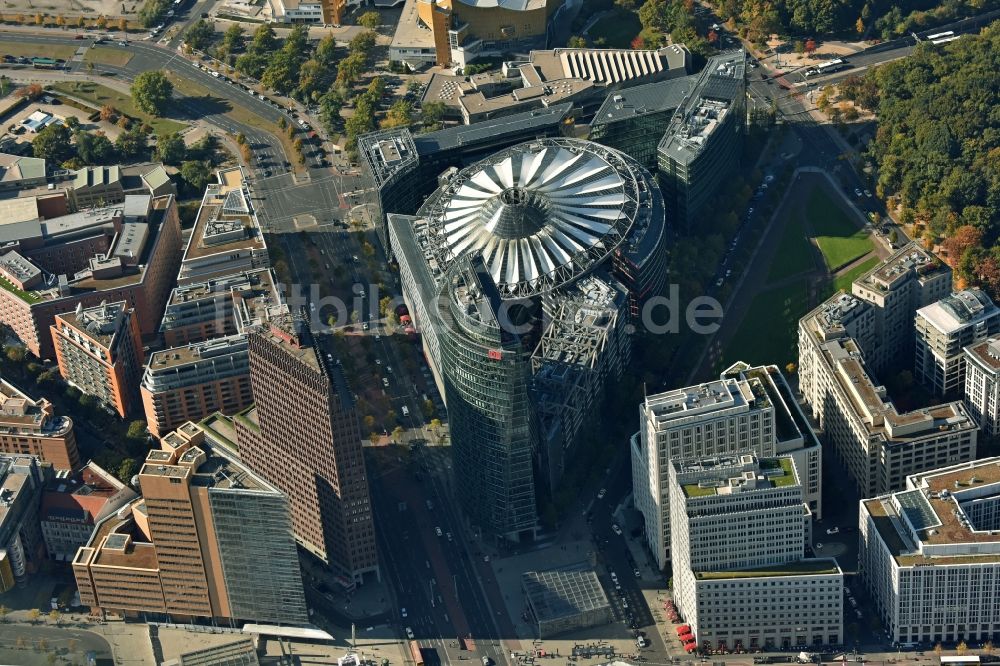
pixel 804 567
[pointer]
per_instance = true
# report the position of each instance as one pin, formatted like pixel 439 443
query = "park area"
pixel 617 28
pixel 97 95
pixel 820 251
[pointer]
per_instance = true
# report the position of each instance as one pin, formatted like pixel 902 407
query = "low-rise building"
pixel 73 504
pixel 297 11
pixel 565 600
pixel 746 409
pixel 209 539
pixel 930 555
pixel 943 329
pixel 21 547
pixel 982 384
pixel 738 537
pixel 96 186
pixel 31 427
pixel 190 382
pixel 99 351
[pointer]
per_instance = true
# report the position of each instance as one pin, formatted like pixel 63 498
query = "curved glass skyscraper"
pixel 487 373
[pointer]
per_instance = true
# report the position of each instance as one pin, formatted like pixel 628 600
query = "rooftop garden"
pixel 798 568
pixel 26 296
pixel 788 479
pixel 694 490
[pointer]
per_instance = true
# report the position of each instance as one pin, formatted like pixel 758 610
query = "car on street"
pixel 819 546
pixel 833 530
pixel 769 178
pixel 614 577
pixel 601 493
pixel 409 633
pixel 378 361
pixel 448 535
pixel 718 283
pixel 617 530
pixel 858 192
pixel 365 326
pixel 486 558
pixel 437 530
pixel 402 612
pixel 868 194
pixel 385 382
pixel 636 573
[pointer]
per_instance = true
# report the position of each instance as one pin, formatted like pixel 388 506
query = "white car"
pixel 402 612
pixel 601 493
pixel 437 530
pixel 819 546
pixel 614 577
pixel 378 361
pixel 833 530
pixel 385 382
pixel 409 633
pixel 636 573
pixel 486 558
pixel 868 194
pixel 858 192
pixel 617 530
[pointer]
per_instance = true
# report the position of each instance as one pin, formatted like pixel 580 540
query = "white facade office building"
pixel 930 555
pixel 982 384
pixel 943 329
pixel 740 526
pixel 746 409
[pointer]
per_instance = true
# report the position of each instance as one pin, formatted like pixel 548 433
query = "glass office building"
pixel 486 377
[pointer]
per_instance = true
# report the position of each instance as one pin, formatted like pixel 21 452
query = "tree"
pixel 196 173
pixel 859 26
pixel 790 368
pixel 397 434
pixel 960 241
pixel 123 24
pixel 108 113
pixel 126 469
pixel 961 648
pixel 362 43
pixel 200 35
pixel 151 92
pixel 370 20
pixel 233 40
pixel 4 611
pixel 374 437
pixel 53 143
pixel 576 42
pixel 133 142
pixel 55 616
pixel 31 91
pixel 170 149
pixel 400 114
pixel 34 614
pixel 810 46
pixel 94 147
pixel 137 430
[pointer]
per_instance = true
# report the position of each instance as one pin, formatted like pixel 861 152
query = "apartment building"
pixel 209 539
pixel 943 329
pixel 226 238
pixel 128 252
pixel 305 438
pixel 31 427
pixel 746 409
pixel 21 547
pixel 99 351
pixel 930 555
pixel 982 384
pixel 741 582
pixel 906 281
pixel 879 445
pixel 188 383
pixel 73 504
pixel 217 307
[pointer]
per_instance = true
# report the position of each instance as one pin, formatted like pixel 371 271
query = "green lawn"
pixel 99 95
pixel 795 254
pixel 840 241
pixel 843 282
pixel 105 55
pixel 619 28
pixel 768 334
pixel 38 50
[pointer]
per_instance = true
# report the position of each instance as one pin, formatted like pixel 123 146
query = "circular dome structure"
pixel 540 213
